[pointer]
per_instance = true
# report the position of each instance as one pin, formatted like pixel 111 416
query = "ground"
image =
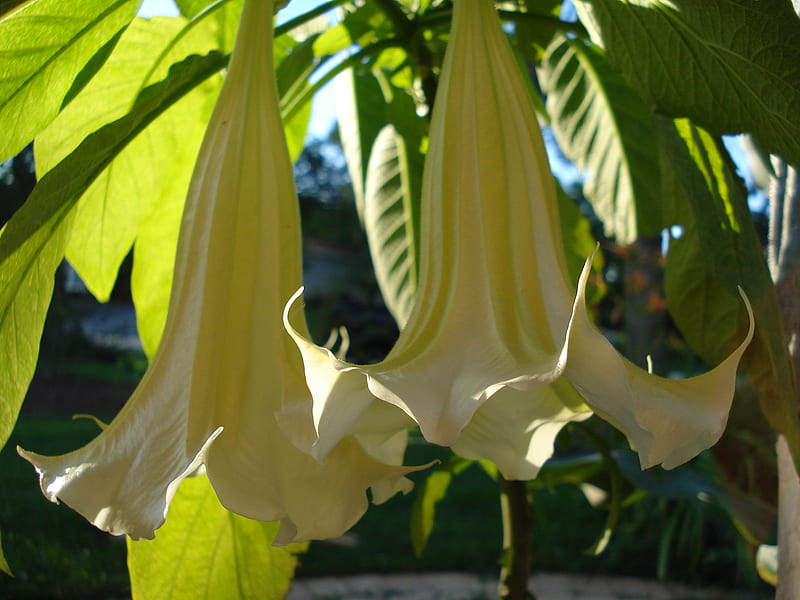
pixel 460 586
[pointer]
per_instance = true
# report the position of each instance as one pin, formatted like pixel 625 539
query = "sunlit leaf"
pixel 361 115
pixel 294 64
pixel 3 563
pixel 729 65
pixel 47 46
pixel 151 170
pixel 32 243
pixel 205 551
pixel 31 248
pixel 602 125
pixel 391 219
pixel 429 493
pixel 718 250
pixel 391 212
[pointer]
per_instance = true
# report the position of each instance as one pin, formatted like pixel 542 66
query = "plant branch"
pixel 292 105
pixel 307 16
pixel 517 512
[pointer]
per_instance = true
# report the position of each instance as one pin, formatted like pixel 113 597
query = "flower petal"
pixel 226 369
pixel 519 452
pixel 667 421
pixel 482 320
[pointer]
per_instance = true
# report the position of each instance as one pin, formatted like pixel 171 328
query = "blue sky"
pixel 151 8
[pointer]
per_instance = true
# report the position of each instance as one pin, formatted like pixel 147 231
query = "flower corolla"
pixel 226 372
pixel 498 353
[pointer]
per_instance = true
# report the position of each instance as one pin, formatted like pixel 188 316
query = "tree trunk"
pixel 784 263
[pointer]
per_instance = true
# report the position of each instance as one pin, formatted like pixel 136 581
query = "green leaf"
pixel 46 46
pixel 391 209
pixel 729 65
pixel 294 63
pixel 7 6
pixel 204 551
pixel 752 517
pixel 579 243
pixel 31 248
pixel 360 112
pixel 719 250
pixel 391 221
pixel 4 563
pixel 423 512
pixel 32 243
pixel 429 493
pixel 535 28
pixel 191 8
pixel 604 127
pixel 152 170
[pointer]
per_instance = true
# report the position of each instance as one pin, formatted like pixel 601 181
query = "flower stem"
pixel 517 514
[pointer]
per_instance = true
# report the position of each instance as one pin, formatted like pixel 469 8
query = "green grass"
pixel 52 551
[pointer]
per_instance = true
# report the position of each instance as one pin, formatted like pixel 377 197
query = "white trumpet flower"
pixel 498 352
pixel 226 371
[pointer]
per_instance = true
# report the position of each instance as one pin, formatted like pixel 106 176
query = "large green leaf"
pixel 360 113
pixel 719 250
pixel 294 64
pixel 391 220
pixel 32 243
pixel 604 127
pixel 152 170
pixel 204 551
pixel 392 189
pixel 535 28
pixel 50 48
pixel 31 248
pixel 429 493
pixel 729 65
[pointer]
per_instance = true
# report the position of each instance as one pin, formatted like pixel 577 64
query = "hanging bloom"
pixel 498 352
pixel 226 370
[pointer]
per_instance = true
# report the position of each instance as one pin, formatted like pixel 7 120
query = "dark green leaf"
pixel 579 243
pixel 729 65
pixel 91 68
pixel 45 46
pixel 535 28
pixel 604 127
pixel 204 551
pixel 753 517
pixel 7 6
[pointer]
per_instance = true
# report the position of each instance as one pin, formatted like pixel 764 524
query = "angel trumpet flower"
pixel 226 368
pixel 498 352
